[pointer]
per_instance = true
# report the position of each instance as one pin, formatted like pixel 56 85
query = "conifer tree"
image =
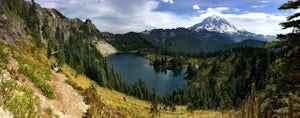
pixel 154 104
pixel 289 64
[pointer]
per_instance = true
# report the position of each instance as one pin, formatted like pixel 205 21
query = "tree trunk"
pixel 258 105
pixel 269 114
pixel 290 105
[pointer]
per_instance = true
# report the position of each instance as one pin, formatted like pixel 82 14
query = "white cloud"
pixel 237 10
pixel 168 1
pixel 217 10
pixel 196 7
pixel 258 6
pixel 121 16
pixel 264 1
pixel 297 11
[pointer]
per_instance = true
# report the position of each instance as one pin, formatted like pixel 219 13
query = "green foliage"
pixel 17 6
pixel 190 107
pixel 50 49
pixel 139 90
pixel 39 76
pixel 19 100
pixel 93 88
pixel 134 42
pixel 289 64
pixel 154 104
pixel 26 11
pixel 97 107
pixel 3 60
pixel 285 70
pixel 223 81
pixel 81 54
pixel 50 113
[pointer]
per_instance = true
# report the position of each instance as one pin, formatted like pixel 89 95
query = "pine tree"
pixel 289 64
pixel 49 48
pixel 154 104
pixel 190 107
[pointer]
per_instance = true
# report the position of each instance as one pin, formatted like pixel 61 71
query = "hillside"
pixel 237 82
pixel 134 42
pixel 184 40
pixel 29 37
pixel 250 43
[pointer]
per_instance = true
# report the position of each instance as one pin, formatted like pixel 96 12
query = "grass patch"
pixel 34 66
pixel 3 55
pixel 89 91
pixel 40 80
pixel 19 100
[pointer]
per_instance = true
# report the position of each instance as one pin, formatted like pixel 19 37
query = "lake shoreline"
pixel 133 66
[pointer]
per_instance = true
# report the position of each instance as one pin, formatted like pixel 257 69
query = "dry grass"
pixel 133 107
pixel 80 80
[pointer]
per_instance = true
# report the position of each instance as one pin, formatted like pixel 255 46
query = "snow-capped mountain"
pixel 220 25
pixel 215 23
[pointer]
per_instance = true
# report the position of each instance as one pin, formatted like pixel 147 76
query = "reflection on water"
pixel 160 70
pixel 176 72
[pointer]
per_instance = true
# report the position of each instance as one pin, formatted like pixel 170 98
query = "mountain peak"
pixel 216 17
pixel 215 23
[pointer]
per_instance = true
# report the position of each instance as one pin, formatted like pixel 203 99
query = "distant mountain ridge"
pixel 213 33
pixel 185 40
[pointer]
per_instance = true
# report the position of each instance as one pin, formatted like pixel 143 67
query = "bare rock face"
pixel 12 65
pixel 90 25
pixel 5 113
pixel 5 75
pixel 5 32
pixel 52 25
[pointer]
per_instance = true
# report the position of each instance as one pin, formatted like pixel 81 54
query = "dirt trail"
pixel 68 102
pixel 67 99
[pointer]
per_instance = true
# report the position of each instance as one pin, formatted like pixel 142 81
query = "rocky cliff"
pixel 27 21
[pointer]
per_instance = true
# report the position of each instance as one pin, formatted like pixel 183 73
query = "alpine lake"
pixel 133 67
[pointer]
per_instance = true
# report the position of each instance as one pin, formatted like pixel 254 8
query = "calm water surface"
pixel 133 67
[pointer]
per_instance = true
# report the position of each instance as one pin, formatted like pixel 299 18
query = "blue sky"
pixel 121 16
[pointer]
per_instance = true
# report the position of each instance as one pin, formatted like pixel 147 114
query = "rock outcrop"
pixel 43 24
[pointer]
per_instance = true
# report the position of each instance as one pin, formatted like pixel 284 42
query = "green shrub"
pixel 19 100
pixel 39 80
pixel 47 90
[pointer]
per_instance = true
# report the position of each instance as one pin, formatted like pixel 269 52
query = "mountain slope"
pixel 250 43
pixel 244 35
pixel 212 34
pixel 185 40
pixel 134 42
pixel 31 39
